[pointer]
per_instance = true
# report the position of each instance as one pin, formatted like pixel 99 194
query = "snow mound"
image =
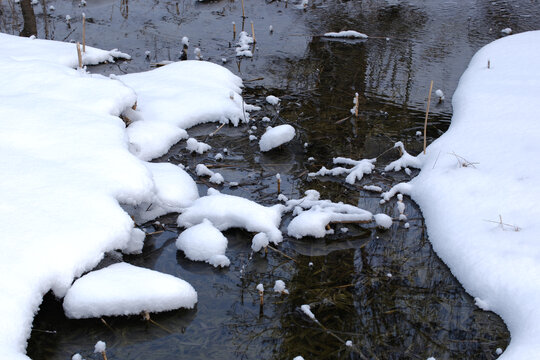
pixel 244 44
pixel 196 92
pixel 58 52
pixel 495 124
pixel 228 211
pixel 276 136
pixel 192 145
pixel 350 34
pixel 124 289
pixel 203 242
pixel 174 190
pixel 359 168
pixel 320 213
pixel 405 161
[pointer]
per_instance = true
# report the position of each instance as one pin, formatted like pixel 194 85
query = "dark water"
pixel 417 312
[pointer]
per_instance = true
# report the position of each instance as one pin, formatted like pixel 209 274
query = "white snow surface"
pixel 351 34
pixel 181 95
pixel 199 147
pixel 405 161
pixel 124 289
pixel 174 190
pixel 244 44
pixel 313 214
pixel 272 100
pixel 306 309
pixel 203 242
pixel 70 168
pixel 229 211
pixel 62 53
pixel 357 172
pixel 384 221
pixel 495 124
pixel 276 136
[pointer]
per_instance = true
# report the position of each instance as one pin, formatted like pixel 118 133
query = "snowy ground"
pixel 480 182
pixel 71 169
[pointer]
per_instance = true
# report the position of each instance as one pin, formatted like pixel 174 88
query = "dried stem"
pixel 427 112
pixel 79 55
pixel 253 32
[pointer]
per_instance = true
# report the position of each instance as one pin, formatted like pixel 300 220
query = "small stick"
pixel 253 33
pixel 233 29
pixel 282 253
pixel 84 33
pixel 243 15
pixel 356 105
pixel 427 112
pixel 79 55
pixel 488 64
pixel 279 186
pixel 104 355
pixel 215 131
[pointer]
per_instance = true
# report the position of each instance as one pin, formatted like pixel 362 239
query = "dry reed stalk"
pixel 79 55
pixel 356 105
pixel 261 297
pixel 104 355
pixel 84 33
pixel 253 33
pixel 234 30
pixel 279 186
pixel 215 131
pixel 427 113
pixel 243 14
pixel 282 253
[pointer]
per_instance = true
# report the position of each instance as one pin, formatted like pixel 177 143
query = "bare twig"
pixel 427 113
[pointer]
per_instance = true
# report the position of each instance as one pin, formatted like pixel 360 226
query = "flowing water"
pixel 386 291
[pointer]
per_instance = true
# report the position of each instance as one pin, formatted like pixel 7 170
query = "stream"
pixel 386 291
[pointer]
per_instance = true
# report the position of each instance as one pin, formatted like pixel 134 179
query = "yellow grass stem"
pixel 427 113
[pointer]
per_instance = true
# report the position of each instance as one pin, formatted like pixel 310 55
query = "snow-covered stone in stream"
pixel 203 242
pixel 124 289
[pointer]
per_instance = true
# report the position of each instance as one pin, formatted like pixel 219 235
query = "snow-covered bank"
pixel 68 164
pixel 485 170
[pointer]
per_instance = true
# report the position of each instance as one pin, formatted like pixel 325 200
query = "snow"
pixel 383 221
pixel 298 358
pixel 215 178
pixel 439 93
pixel 244 44
pixel 346 34
pixel 77 357
pixel 260 288
pixel 360 167
pixel 495 124
pixel 506 31
pixel 313 215
pixel 72 170
pixel 229 211
pixel 279 287
pixel 348 343
pixel 124 289
pixel 204 96
pixel 276 136
pixel 306 309
pixel 193 145
pixel 174 190
pixel 373 188
pixel 203 242
pixel 100 347
pixel 406 160
pixel 259 242
pixel 272 100
pixel 25 49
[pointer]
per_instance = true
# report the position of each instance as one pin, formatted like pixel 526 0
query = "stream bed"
pixel 386 291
